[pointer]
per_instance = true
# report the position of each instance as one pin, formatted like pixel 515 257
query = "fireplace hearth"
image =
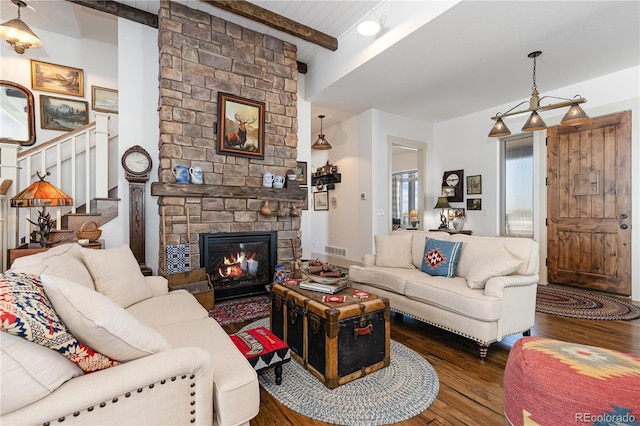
pixel 240 264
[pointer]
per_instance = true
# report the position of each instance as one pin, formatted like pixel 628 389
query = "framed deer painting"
pixel 240 126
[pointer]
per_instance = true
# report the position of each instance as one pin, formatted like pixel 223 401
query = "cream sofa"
pixel 189 371
pixel 502 271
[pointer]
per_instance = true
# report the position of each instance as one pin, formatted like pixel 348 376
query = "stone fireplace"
pixel 200 56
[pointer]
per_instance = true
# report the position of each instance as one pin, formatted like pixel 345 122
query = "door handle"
pixel 623 226
pixel 624 216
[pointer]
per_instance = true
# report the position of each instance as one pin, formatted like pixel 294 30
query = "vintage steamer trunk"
pixel 336 342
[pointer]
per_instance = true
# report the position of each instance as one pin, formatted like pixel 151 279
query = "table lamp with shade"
pixel 42 194
pixel 443 203
pixel 414 217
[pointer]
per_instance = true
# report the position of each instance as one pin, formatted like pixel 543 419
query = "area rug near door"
pixel 404 389
pixel 585 304
pixel 238 310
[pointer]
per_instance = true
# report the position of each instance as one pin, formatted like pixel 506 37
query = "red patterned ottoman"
pixel 263 350
pixel 550 382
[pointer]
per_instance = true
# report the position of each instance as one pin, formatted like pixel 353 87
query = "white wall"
pixel 139 125
pixel 462 144
pixel 360 150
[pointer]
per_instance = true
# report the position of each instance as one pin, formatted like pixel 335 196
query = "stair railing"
pixel 78 162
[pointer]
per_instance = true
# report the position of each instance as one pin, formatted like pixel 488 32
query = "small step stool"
pixel 263 350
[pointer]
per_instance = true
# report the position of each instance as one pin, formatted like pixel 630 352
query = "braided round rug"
pixel 585 304
pixel 404 389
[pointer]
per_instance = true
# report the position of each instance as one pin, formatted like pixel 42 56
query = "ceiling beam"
pixel 121 10
pixel 274 20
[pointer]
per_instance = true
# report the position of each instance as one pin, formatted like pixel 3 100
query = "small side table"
pixel 275 352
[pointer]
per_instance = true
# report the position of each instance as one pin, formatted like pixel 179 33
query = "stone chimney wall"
pixel 201 55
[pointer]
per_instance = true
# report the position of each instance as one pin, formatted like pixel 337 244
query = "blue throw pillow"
pixel 441 257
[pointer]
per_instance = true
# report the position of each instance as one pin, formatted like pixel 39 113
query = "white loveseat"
pixel 190 371
pixel 502 271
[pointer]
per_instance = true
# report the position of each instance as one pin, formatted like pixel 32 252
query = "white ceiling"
pixel 470 58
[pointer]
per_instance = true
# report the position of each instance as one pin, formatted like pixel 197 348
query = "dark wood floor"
pixel 471 391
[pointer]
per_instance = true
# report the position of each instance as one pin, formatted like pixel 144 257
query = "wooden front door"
pixel 589 204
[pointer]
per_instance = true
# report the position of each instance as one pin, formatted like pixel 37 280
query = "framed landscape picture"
pixel 63 114
pixel 57 78
pixel 474 185
pixel 104 100
pixel 240 126
pixel 474 203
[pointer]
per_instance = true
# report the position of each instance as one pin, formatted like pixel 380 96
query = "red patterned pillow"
pixel 26 311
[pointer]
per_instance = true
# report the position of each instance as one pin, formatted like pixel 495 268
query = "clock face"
pixel 137 162
pixel 453 179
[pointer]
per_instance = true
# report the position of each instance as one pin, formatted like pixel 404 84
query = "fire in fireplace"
pixel 239 263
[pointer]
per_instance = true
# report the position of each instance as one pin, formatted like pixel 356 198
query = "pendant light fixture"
pixel 574 117
pixel 18 34
pixel 321 143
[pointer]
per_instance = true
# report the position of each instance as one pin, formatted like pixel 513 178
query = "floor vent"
pixel 336 251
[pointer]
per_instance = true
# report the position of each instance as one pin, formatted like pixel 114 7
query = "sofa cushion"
pixel 234 383
pixel 30 372
pixel 100 322
pixel 454 295
pixel 394 251
pixel 500 262
pixel 26 311
pixel 391 279
pixel 117 275
pixel 440 258
pixel 63 261
pixel 175 306
pixel 476 248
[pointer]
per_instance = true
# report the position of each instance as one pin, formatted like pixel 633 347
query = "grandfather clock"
pixel 136 162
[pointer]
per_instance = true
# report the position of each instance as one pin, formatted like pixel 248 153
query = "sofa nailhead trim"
pixel 162 382
pixel 48 424
pixel 151 386
pixel 193 394
pixel 103 404
pixel 139 390
pixel 127 395
pixel 173 379
pixel 184 376
pixel 193 420
pixel 90 408
pixel 114 400
pixel 61 419
pixel 193 403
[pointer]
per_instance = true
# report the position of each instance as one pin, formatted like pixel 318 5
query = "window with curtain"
pixel 404 196
pixel 517 186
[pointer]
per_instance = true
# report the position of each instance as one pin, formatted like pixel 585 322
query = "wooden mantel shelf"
pixel 218 191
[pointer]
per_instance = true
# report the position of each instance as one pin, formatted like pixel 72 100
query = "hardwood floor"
pixel 471 391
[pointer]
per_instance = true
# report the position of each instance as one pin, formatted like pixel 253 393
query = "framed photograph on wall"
pixel 57 78
pixel 453 213
pixel 63 114
pixel 301 172
pixel 474 203
pixel 474 185
pixel 240 126
pixel 321 200
pixel 104 100
pixel 305 202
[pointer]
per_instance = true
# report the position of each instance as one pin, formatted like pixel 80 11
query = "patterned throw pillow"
pixel 26 311
pixel 441 257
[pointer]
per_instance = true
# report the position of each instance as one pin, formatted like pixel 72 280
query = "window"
pixel 517 186
pixel 405 196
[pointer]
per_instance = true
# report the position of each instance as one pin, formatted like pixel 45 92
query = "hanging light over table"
pixel 574 117
pixel 321 143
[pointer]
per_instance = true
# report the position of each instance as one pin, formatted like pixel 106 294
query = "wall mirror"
pixel 17 120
